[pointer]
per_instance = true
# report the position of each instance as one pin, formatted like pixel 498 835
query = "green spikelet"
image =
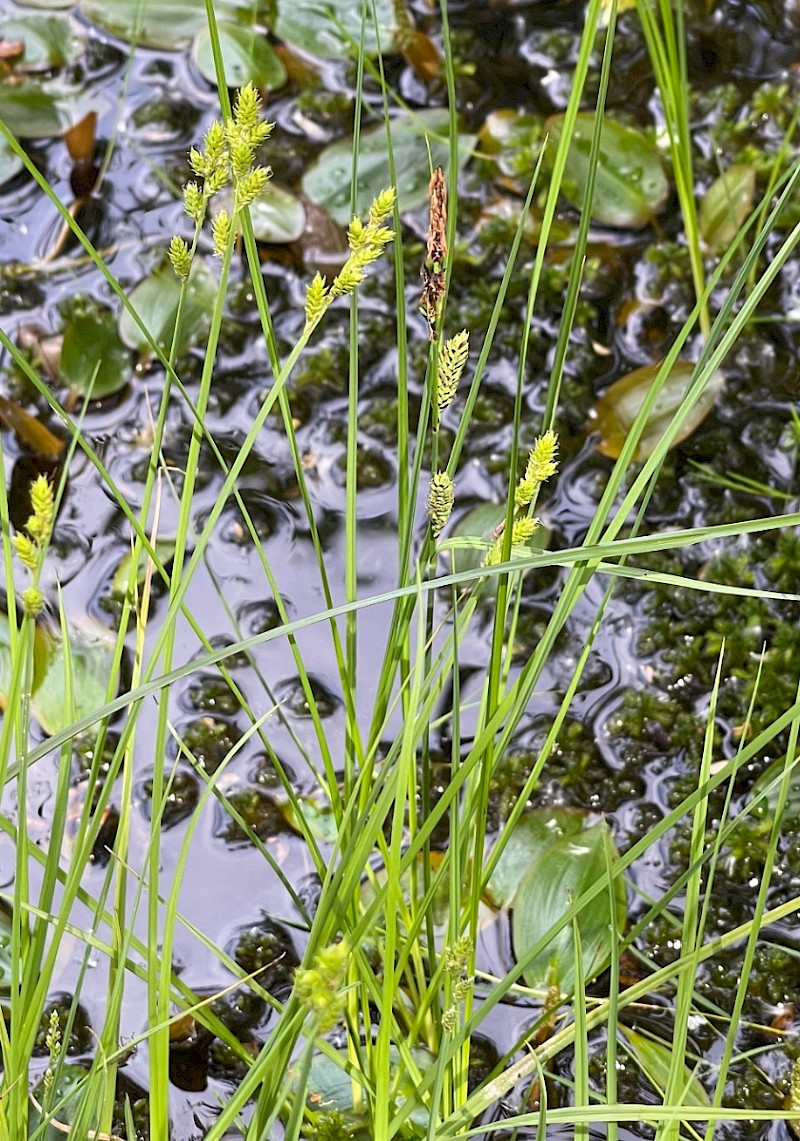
pixel 542 462
pixel 27 551
pixel 180 258
pixel 441 496
pixel 194 201
pixel 32 601
pixel 43 503
pixel 522 530
pixel 452 359
pixel 221 232
pixel 317 300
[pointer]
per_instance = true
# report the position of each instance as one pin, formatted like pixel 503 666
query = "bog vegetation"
pixel 460 932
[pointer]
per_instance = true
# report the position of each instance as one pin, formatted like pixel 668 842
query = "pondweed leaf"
pixel 655 1059
pixel 164 548
pixel 91 673
pixel 726 206
pixel 93 359
pixel 614 413
pixel 277 215
pixel 30 431
pixel 156 301
pixel 49 41
pixel 630 185
pixel 531 835
pixel 331 1086
pixel 30 112
pixel 328 181
pixel 563 870
pixel 332 28
pixel 247 55
pixel 10 163
pixel 167 24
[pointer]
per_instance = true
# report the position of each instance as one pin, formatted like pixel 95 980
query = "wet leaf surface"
pixel 615 411
pixel 656 1059
pixel 726 205
pixel 333 30
pixel 167 24
pixel 87 662
pixel 328 181
pixel 49 41
pixel 630 185
pixel 156 301
pixel 534 833
pixel 247 56
pixel 29 430
pixel 94 362
pixel 559 872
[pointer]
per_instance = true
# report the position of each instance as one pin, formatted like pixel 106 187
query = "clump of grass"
pixel 389 991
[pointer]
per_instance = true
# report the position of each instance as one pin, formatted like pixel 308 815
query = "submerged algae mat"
pixel 632 746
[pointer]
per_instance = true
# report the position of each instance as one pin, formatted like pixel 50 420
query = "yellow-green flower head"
pixel 32 601
pixel 441 496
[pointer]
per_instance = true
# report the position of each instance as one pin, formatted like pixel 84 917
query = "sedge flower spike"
pixel 227 159
pixel 367 241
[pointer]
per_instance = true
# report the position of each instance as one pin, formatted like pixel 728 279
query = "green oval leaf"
pixel 93 359
pixel 10 163
pixel 30 112
pixel 630 184
pixel 328 181
pixel 530 837
pixel 655 1060
pixel 562 872
pixel 50 41
pixel 727 204
pixel 167 24
pixel 615 411
pixel 247 55
pixel 156 301
pixel 90 661
pixel 330 1085
pixel 277 215
pixel 332 28
pixel 164 548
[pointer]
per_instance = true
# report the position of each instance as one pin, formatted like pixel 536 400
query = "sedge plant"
pixel 389 991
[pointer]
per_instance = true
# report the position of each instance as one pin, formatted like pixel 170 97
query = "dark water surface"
pixel 631 748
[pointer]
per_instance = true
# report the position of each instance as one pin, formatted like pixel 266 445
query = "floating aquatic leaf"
pixel 167 24
pixel 30 112
pixel 563 870
pixel 615 411
pixel 164 548
pixel 66 1094
pixel 49 41
pixel 247 55
pixel 80 138
pixel 726 206
pixel 317 816
pixel 655 1060
pixel 91 672
pixel 531 835
pixel 422 55
pixel 630 185
pixel 30 431
pixel 93 359
pixel 10 163
pixel 277 215
pixel 156 301
pixel 332 28
pixel 328 181
pixel 330 1085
